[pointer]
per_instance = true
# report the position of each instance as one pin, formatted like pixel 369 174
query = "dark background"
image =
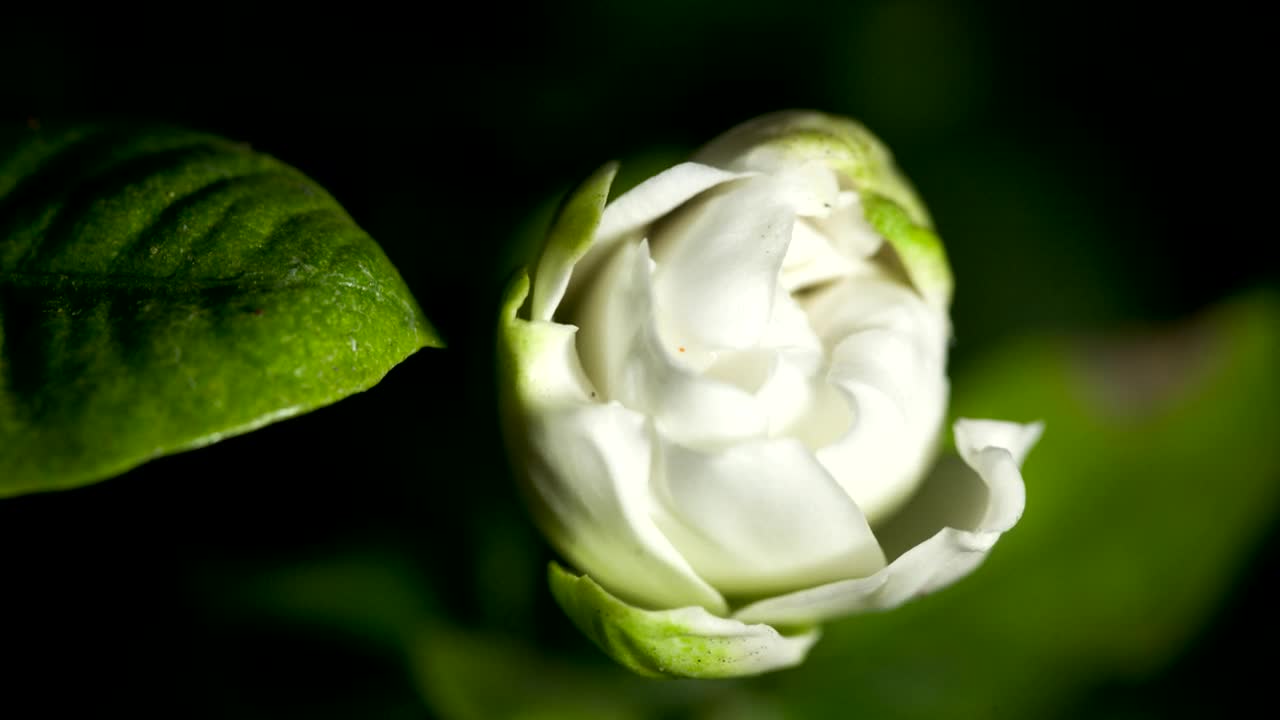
pixel 1090 168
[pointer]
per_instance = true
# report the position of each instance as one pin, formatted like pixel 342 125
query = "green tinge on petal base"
pixel 919 248
pixel 570 237
pixel 685 642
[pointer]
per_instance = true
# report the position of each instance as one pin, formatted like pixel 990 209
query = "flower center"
pixel 765 312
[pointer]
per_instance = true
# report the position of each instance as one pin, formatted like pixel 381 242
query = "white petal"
pixel 984 445
pixel 585 466
pixel 974 435
pixel 888 361
pixel 788 393
pixel 847 229
pixel 787 374
pixel 991 450
pixel 589 475
pixel 658 196
pixel 623 353
pixel 550 372
pixel 897 402
pixel 878 459
pixel 810 189
pixel 789 328
pixel 630 214
pixel 760 518
pixel 875 301
pixel 811 259
pixel 718 264
pixel 809 409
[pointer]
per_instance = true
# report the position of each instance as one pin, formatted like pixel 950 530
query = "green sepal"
pixel 684 642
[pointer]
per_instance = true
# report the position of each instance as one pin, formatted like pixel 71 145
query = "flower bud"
pixel 723 392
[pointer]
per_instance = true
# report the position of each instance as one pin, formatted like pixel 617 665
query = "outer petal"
pixel 569 239
pixel 659 195
pixel 688 642
pixel 761 518
pixel 585 466
pixel 974 515
pixel 629 215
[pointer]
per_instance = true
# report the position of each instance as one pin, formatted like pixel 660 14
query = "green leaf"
pixel 1147 496
pixel 163 289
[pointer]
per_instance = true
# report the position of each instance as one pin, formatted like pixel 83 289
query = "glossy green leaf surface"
pixel 162 289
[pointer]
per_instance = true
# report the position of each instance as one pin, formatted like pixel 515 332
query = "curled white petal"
pixel 975 520
pixel 887 349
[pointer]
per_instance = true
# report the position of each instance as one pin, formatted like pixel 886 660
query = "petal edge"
pixel 989 448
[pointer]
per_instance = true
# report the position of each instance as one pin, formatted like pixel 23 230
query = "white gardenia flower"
pixel 724 392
